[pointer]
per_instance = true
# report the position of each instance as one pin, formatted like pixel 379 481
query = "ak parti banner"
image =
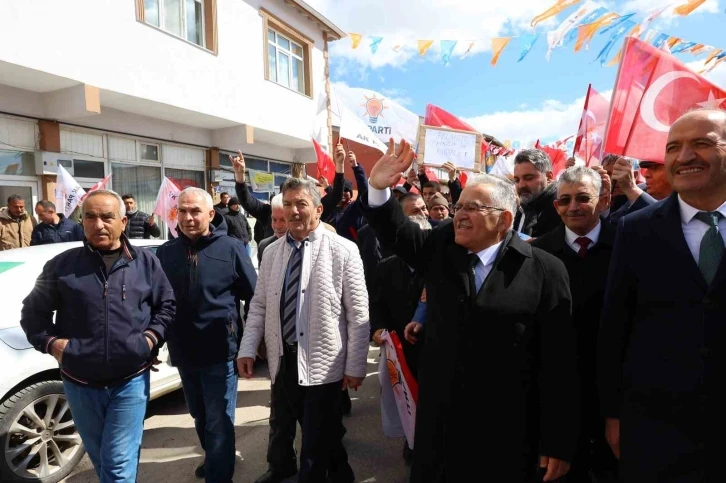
pixel 591 133
pixel 652 90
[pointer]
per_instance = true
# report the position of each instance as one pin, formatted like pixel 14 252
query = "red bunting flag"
pixel 652 90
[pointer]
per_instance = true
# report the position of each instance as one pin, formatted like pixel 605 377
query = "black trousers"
pixel 317 410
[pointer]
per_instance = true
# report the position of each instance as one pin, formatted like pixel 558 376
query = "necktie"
pixel 473 262
pixel 712 246
pixel 289 307
pixel 584 243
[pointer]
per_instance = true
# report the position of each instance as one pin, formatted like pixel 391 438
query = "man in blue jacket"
pixel 113 306
pixel 211 273
pixel 54 227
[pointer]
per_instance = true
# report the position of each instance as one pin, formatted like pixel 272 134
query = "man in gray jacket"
pixel 311 306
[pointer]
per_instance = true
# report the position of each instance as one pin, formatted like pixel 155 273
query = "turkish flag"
pixel 435 116
pixel 431 175
pixel 591 134
pixel 463 178
pixel 326 166
pixel 652 90
pixel 557 156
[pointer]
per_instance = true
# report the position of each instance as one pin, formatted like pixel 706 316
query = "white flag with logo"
pixel 383 117
pixel 68 193
pixel 167 204
pixel 354 129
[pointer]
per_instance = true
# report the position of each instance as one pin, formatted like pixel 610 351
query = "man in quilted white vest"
pixel 311 307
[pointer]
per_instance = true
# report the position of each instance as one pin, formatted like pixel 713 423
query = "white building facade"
pixel 143 89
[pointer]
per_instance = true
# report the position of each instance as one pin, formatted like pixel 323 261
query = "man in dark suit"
pixel 278 224
pixel 661 351
pixel 498 323
pixel 584 244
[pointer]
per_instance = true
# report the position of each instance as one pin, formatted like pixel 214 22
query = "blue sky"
pixel 524 100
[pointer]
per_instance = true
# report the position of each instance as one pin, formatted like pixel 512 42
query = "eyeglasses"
pixel 474 207
pixel 582 199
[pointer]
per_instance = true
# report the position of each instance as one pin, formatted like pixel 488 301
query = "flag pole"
pixel 612 97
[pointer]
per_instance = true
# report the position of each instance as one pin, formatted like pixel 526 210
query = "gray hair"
pixel 276 202
pixel 577 174
pixel 92 194
pixel 208 201
pixel 502 191
pixel 421 221
pixel 295 184
pixel 537 157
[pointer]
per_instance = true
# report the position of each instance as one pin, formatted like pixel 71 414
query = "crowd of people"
pixel 561 327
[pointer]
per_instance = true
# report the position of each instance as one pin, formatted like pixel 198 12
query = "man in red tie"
pixel 584 244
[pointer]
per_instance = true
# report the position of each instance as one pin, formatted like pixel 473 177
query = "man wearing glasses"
pixel 584 243
pixel 498 324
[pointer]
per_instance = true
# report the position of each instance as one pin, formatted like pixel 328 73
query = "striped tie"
pixel 289 307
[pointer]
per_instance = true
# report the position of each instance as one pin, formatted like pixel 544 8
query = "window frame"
pixel 139 151
pixel 270 22
pixel 208 24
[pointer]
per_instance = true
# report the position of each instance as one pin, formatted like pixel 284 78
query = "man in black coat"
pixel 533 176
pixel 139 224
pixel 498 324
pixel 661 349
pixel 237 225
pixel 584 243
pixel 278 223
pixel 261 211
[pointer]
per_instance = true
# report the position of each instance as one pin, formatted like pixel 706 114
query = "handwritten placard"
pixel 438 145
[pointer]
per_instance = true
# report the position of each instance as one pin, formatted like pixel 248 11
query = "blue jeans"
pixel 111 423
pixel 211 394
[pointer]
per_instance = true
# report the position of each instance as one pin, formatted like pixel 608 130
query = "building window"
pixel 287 55
pixel 191 20
pixel 17 163
pixel 184 178
pixel 142 182
pixel 87 169
pixel 149 152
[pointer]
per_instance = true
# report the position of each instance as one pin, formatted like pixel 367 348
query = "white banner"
pixel 68 193
pixel 383 117
pixel 353 128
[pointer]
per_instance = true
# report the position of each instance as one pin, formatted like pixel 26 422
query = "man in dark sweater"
pixel 237 225
pixel 533 177
pixel 139 224
pixel 584 243
pixel 210 273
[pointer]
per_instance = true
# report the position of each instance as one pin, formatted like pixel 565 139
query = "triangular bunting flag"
pixel 498 45
pixel 688 7
pixel 355 40
pixel 375 43
pixel 423 46
pixel 447 48
pixel 554 10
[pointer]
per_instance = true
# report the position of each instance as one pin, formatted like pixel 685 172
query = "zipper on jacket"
pixel 123 284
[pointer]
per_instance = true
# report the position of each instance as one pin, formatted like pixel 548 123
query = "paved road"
pixel 170 449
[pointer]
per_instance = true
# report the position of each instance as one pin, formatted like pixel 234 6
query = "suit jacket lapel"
pixel 667 222
pixel 506 265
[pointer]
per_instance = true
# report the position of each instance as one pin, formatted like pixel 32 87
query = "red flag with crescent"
pixel 590 135
pixel 652 90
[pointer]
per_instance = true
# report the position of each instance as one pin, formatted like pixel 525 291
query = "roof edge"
pixel 313 14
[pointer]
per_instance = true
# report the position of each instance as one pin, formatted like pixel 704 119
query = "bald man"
pixel 662 336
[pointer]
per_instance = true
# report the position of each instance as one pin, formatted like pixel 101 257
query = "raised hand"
pixel 324 182
pixel 238 163
pixel 353 161
pixel 451 170
pixel 339 159
pixel 388 169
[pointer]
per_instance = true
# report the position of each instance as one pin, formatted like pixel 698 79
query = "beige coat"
pixel 336 332
pixel 15 233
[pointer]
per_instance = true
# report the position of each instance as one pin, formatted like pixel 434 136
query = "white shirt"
pixel 377 197
pixel 482 270
pixel 571 236
pixel 693 229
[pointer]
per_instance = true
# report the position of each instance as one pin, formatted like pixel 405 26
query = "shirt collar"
pixel 593 235
pixel 316 233
pixel 688 211
pixel 488 255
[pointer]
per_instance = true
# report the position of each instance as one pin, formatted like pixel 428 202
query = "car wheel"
pixel 38 437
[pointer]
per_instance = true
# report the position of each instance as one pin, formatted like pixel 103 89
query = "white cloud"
pixel 397 95
pixel 711 6
pixel 553 120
